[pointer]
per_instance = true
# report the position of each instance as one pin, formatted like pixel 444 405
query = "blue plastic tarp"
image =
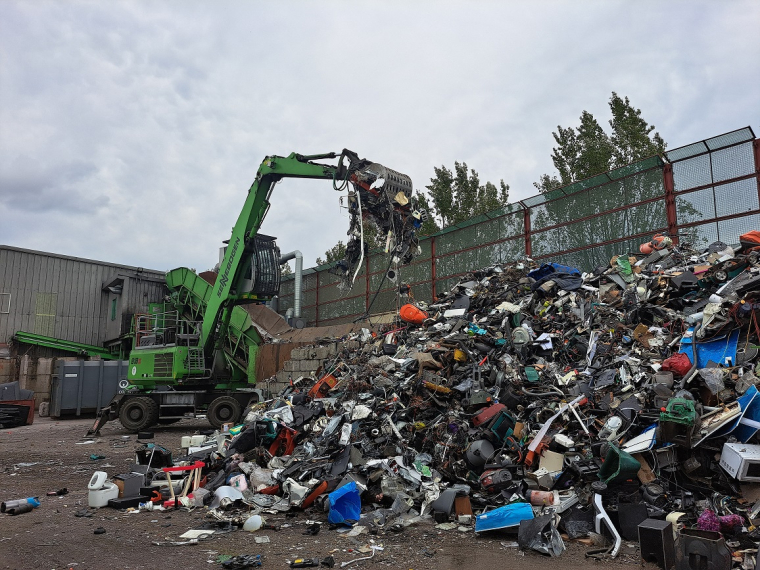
pixel 503 517
pixel 548 268
pixel 716 350
pixel 345 504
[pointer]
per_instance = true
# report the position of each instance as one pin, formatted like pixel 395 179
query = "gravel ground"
pixel 45 457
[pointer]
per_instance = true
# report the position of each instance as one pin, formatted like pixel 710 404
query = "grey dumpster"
pixel 85 386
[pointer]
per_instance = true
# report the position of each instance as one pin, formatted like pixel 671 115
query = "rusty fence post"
pixel 527 230
pixel 432 268
pixel 756 145
pixel 670 201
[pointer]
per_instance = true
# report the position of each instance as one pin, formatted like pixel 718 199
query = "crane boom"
pixel 178 366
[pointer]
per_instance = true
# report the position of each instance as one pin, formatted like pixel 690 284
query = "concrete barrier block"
pixel 310 365
pixel 6 370
pixel 44 366
pixel 276 387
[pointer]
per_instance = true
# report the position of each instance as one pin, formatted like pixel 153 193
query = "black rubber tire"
pixel 138 413
pixel 223 410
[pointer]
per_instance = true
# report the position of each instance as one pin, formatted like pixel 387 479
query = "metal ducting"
pixel 299 277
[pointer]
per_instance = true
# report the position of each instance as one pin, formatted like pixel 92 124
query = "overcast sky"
pixel 131 131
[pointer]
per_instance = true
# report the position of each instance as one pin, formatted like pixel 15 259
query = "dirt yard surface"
pixel 48 456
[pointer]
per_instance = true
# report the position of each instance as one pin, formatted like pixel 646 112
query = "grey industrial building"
pixel 70 298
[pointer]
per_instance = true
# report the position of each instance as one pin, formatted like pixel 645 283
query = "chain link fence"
pixel 700 193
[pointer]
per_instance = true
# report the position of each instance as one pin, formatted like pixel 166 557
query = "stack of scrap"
pixel 534 398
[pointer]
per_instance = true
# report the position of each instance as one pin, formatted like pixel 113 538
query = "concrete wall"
pixel 32 373
pixel 304 361
pixel 7 370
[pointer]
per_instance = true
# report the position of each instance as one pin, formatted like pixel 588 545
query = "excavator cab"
pixel 262 277
pixel 260 274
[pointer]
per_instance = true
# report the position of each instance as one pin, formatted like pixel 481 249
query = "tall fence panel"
pixel 716 187
pixel 703 192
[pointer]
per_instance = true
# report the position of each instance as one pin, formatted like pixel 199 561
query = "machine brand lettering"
pixel 226 275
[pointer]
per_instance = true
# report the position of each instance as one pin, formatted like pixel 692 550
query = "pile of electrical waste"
pixel 616 405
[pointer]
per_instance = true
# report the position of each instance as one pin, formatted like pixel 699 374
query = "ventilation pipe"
pixel 299 276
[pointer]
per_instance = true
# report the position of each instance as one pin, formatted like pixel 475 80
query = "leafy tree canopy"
pixel 588 150
pixel 456 195
pixel 335 253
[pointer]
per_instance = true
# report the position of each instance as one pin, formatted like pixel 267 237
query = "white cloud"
pixel 131 131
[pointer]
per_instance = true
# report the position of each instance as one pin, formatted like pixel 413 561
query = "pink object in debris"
pixel 708 520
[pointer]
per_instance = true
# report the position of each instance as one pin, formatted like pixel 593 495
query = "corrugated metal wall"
pixel 62 296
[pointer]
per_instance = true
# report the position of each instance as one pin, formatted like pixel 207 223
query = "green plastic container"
pixel 679 411
pixel 618 466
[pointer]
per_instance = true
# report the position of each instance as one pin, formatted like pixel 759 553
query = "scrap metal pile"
pixel 537 399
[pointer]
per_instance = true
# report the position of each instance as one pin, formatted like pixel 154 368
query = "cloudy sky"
pixel 131 131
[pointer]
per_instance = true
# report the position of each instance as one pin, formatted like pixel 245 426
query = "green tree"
pixel 458 195
pixel 335 253
pixel 588 150
pixel 285 269
pixel 632 137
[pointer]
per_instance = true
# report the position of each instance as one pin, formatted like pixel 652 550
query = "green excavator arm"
pixel 225 352
pixel 227 291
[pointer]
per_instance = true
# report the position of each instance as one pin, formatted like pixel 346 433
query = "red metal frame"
pixel 432 269
pixel 670 201
pixel 756 146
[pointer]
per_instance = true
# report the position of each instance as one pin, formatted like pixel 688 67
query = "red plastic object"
pixel 487 414
pixel 750 241
pixel 318 490
pixel 679 363
pixel 412 314
pixel 321 388
pixel 658 242
pixel 284 443
pixel 196 465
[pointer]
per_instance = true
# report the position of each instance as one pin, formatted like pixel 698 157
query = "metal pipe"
pixel 298 256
